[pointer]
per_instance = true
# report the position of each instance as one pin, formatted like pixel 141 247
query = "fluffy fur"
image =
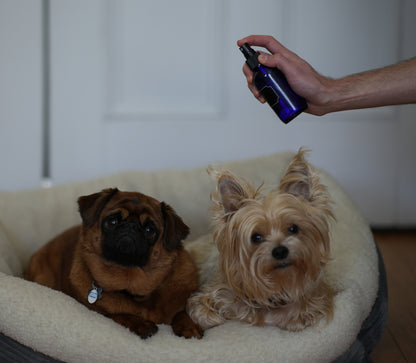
pixel 272 251
pixel 129 245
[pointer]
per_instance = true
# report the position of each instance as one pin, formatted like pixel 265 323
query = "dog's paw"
pixel 190 331
pixel 146 329
pixel 136 324
pixel 183 326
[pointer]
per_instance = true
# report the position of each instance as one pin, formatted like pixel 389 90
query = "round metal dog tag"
pixel 92 296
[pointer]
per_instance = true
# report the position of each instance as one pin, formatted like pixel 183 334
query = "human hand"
pixel 303 79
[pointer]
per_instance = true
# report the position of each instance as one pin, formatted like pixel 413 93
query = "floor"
pixel 398 343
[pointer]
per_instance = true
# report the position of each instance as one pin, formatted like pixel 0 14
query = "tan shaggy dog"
pixel 272 249
pixel 125 261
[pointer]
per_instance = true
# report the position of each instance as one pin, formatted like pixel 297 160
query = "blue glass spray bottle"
pixel 273 86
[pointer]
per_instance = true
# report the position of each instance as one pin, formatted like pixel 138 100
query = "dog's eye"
pixel 293 229
pixel 150 230
pixel 113 220
pixel 257 238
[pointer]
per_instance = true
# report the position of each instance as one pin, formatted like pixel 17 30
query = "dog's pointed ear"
pixel 231 190
pixel 298 177
pixel 231 193
pixel 302 181
pixel 175 230
pixel 90 206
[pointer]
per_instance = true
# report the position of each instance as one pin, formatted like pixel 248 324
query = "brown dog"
pixel 125 261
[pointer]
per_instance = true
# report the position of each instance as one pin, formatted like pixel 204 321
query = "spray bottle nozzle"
pixel 251 56
pixel 247 50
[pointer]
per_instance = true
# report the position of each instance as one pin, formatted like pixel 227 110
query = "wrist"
pixel 338 95
pixel 325 97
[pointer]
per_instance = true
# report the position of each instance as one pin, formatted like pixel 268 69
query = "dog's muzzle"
pixel 128 240
pixel 127 246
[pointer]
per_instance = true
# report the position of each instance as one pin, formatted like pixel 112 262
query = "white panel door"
pixel 140 84
pixel 158 84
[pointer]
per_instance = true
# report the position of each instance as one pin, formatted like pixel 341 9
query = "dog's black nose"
pixel 280 252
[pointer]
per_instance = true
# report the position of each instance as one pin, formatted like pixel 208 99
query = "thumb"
pixel 270 60
pixel 279 61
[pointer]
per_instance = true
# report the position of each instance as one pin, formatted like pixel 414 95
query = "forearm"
pixel 391 85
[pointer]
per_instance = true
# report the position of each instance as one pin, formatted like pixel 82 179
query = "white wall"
pixel 406 194
pixel 20 94
pixel 135 87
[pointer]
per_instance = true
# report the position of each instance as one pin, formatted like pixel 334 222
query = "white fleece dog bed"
pixel 53 323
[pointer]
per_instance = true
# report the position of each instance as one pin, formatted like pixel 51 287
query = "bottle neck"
pixel 253 61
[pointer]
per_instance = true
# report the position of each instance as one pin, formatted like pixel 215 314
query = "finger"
pixel 255 92
pixel 265 41
pixel 249 76
pixel 248 73
pixel 271 44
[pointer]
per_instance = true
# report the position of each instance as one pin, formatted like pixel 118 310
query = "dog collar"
pixel 94 294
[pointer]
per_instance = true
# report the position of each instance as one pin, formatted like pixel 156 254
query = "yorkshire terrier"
pixel 272 250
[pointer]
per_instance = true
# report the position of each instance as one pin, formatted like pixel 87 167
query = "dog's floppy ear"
pixel 175 230
pixel 90 206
